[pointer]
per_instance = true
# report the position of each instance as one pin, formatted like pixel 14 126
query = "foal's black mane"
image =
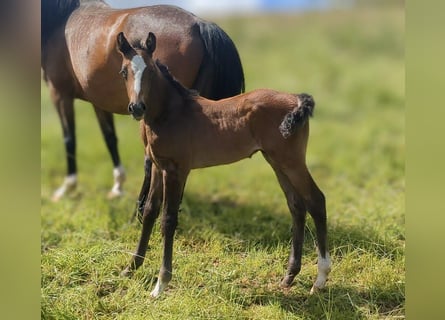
pixel 55 13
pixel 183 91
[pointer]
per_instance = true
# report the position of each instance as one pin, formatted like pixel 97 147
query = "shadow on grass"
pixel 266 227
pixel 334 302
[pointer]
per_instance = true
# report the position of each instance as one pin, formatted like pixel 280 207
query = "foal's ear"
pixel 150 43
pixel 122 44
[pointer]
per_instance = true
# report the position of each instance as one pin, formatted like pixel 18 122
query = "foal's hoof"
pixel 159 288
pixel 317 287
pixel 287 282
pixel 127 272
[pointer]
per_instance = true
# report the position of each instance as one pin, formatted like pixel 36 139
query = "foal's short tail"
pixel 297 117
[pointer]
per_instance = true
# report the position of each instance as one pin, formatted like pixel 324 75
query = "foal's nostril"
pixel 130 108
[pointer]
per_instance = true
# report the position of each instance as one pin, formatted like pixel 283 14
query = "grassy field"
pixel 233 238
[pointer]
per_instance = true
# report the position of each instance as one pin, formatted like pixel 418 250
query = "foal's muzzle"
pixel 136 110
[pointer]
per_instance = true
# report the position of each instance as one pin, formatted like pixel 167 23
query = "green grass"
pixel 233 238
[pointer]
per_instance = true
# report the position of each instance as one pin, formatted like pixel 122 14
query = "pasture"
pixel 232 242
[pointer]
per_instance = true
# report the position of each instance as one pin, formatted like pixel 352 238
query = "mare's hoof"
pixel 114 194
pixel 68 186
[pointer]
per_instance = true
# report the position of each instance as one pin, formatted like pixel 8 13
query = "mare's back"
pixel 91 34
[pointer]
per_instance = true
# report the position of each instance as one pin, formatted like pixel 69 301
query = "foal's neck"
pixel 162 100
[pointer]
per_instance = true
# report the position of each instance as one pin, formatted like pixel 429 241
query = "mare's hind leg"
pixel 151 212
pixel 65 110
pixel 106 123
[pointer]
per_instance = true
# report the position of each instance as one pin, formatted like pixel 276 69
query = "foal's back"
pixel 228 130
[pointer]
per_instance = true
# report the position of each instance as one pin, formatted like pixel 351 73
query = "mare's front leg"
pixel 106 123
pixel 151 212
pixel 174 182
pixel 65 109
pixel 140 204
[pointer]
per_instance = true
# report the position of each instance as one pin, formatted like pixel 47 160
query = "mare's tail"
pixel 297 117
pixel 221 65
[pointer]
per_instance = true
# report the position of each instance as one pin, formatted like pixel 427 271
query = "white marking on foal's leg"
pixel 159 288
pixel 119 178
pixel 68 185
pixel 324 267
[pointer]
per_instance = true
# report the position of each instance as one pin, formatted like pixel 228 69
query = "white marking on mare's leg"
pixel 69 184
pixel 324 267
pixel 119 178
pixel 138 66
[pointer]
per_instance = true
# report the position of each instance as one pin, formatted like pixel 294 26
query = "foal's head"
pixel 138 68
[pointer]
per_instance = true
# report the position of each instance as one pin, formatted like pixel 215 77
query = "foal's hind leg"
pixel 151 212
pixel 106 123
pixel 303 194
pixel 315 203
pixel 298 212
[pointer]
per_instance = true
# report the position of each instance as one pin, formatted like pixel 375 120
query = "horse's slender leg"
pixel 303 194
pixel 315 203
pixel 151 212
pixel 174 182
pixel 65 109
pixel 106 123
pixel 144 189
pixel 298 212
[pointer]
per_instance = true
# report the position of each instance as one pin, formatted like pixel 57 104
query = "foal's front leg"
pixel 174 182
pixel 151 212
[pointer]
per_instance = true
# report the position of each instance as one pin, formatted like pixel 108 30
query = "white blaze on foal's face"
pixel 138 66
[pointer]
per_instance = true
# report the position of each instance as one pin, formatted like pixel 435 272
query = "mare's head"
pixel 138 69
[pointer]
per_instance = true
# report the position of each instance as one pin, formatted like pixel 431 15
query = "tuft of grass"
pixel 233 238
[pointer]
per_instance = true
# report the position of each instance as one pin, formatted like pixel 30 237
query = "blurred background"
pixel 252 6
pixel 238 7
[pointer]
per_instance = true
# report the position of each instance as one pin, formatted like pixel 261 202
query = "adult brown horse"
pixel 184 131
pixel 79 60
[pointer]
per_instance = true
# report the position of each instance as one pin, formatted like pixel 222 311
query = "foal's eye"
pixel 123 73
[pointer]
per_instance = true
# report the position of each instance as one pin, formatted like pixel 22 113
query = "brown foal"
pixel 183 131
